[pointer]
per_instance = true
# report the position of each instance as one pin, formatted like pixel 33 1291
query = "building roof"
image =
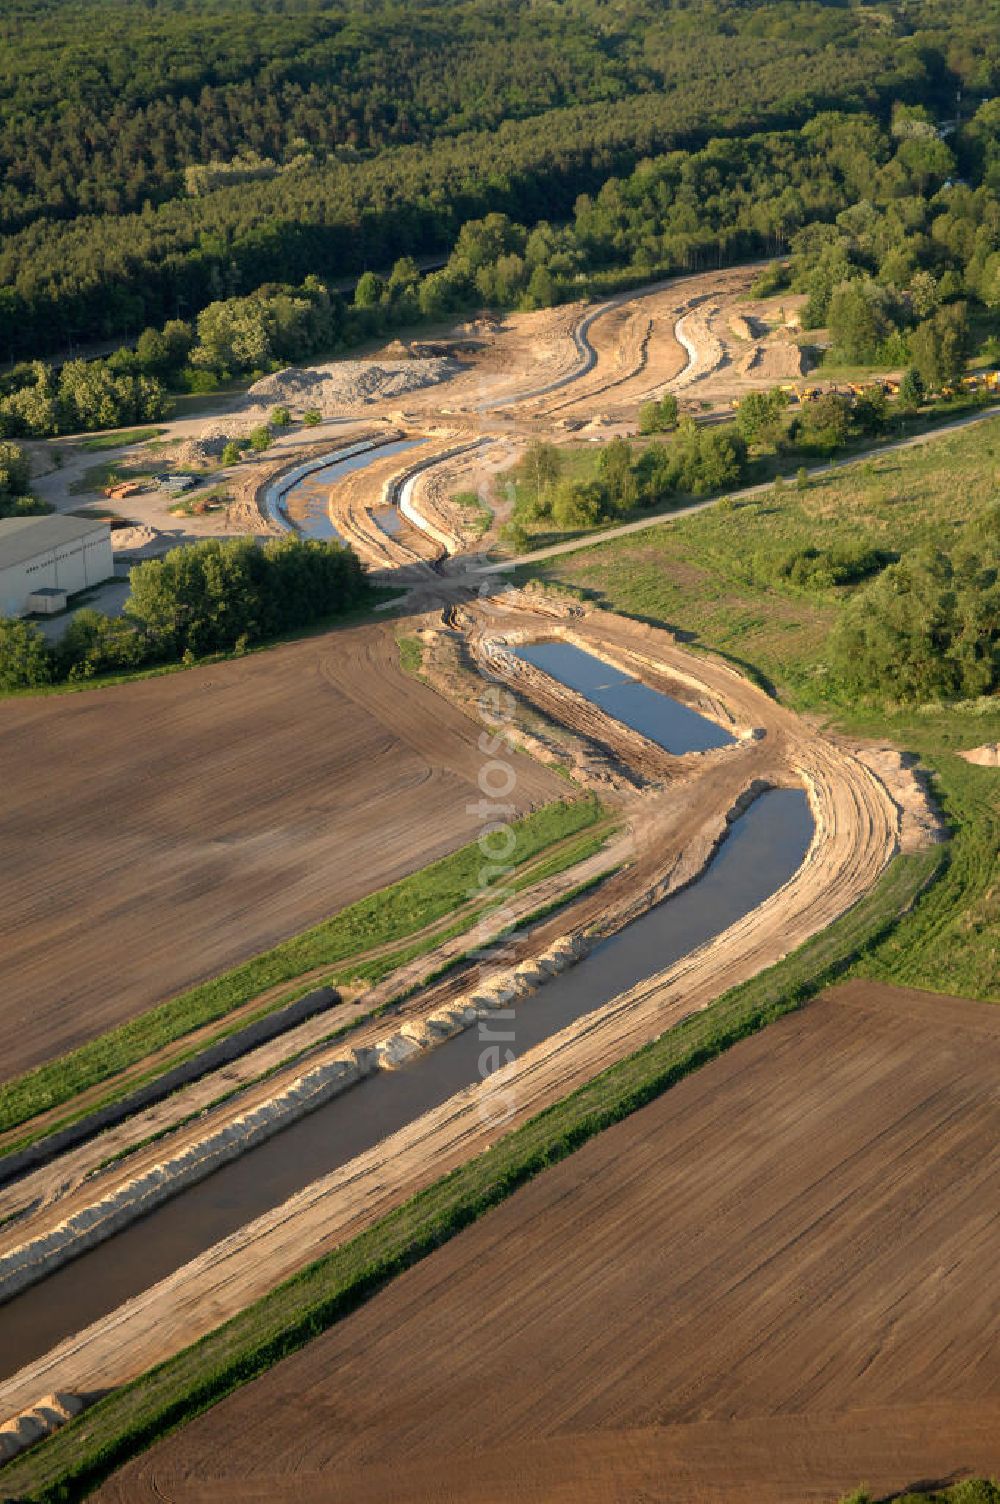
pixel 24 538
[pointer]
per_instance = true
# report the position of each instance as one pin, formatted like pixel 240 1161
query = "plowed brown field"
pixel 776 1280
pixel 158 832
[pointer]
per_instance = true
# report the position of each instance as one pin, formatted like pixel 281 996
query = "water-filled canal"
pixel 657 716
pixel 763 849
pixel 301 499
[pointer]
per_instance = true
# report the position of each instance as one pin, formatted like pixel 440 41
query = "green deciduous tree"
pixel 540 468
pixel 579 504
pixel 25 659
pixel 859 319
pixel 940 347
pixel 658 417
pixel 760 416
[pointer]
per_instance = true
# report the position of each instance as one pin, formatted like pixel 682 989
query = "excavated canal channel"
pixel 763 849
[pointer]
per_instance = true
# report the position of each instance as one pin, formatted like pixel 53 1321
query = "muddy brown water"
pixel 304 507
pixel 663 719
pixel 763 849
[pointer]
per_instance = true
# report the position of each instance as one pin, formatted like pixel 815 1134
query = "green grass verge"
pixel 969 1491
pixel 411 655
pixel 119 440
pixel 951 942
pixel 568 855
pixel 391 914
pixel 96 478
pixel 88 1450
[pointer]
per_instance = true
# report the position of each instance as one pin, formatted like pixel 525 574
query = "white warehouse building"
pixel 45 559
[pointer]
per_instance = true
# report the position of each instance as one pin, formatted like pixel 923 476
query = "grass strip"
pixel 121 439
pixel 969 1491
pixel 570 856
pixel 533 917
pixel 391 914
pixel 76 1459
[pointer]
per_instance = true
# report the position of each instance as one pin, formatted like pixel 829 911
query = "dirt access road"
pixel 771 1283
pixel 158 832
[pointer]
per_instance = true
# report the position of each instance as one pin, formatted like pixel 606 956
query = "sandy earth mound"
pixel 986 756
pixel 779 360
pixel 129 539
pixel 346 382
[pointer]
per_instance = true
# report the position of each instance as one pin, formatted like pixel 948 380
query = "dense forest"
pixel 872 221
pixel 159 157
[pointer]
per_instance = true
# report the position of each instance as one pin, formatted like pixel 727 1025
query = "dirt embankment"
pixel 771 1284
pixel 986 756
pixel 348 384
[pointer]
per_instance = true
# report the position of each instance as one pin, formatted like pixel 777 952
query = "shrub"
pixel 822 568
pixel 25 657
pixel 928 628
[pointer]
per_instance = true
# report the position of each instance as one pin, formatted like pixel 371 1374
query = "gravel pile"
pixel 347 383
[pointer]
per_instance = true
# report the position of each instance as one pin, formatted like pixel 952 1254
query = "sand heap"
pixel 986 756
pixel 346 383
pixel 131 539
pixel 777 360
pixel 209 445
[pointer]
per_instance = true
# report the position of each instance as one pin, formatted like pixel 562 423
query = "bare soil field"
pixel 159 832
pixel 776 1280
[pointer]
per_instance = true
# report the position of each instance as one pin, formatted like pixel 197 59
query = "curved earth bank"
pixel 858 828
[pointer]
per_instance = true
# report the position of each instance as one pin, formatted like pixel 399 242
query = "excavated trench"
pixel 764 848
pixel 675 727
pixel 303 506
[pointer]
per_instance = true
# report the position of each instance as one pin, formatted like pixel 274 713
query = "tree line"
pixel 868 220
pixel 105 107
pixel 214 596
pixel 653 83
